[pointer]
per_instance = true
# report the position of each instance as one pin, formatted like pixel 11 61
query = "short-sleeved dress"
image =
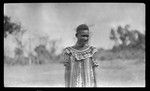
pixel 80 67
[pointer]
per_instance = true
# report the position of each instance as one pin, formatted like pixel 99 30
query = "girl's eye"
pixel 85 35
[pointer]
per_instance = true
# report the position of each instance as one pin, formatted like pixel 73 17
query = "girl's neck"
pixel 80 45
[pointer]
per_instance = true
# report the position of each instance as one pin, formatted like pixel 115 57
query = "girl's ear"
pixel 76 34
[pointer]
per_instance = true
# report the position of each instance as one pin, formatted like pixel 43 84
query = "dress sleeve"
pixel 94 52
pixel 66 62
pixel 66 57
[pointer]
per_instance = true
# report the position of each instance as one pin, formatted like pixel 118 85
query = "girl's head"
pixel 82 33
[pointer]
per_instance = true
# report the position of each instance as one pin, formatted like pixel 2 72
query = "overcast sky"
pixel 59 20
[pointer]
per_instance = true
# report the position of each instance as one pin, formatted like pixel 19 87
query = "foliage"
pixel 10 27
pixel 130 39
pixel 14 29
pixel 132 45
pixel 18 51
pixel 113 37
pixel 44 55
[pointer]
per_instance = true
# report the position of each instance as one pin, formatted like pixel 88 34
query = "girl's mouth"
pixel 84 40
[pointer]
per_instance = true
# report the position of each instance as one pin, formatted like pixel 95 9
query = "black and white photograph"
pixel 89 45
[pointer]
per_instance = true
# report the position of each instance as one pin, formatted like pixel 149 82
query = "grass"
pixel 119 73
pixel 109 73
pixel 35 75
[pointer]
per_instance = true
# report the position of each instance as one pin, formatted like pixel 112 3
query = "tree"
pixel 43 39
pixel 42 53
pixel 113 37
pixel 7 26
pixel 10 27
pixel 140 39
pixel 17 31
pixel 129 38
pixel 53 49
pixel 123 35
pixel 13 28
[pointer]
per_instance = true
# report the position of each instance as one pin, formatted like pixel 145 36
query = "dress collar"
pixel 80 50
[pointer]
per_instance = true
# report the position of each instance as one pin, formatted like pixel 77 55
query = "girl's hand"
pixel 96 65
pixel 66 64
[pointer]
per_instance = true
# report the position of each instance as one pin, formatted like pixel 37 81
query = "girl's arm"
pixel 94 51
pixel 95 63
pixel 66 56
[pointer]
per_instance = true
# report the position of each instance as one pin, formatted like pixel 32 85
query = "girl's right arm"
pixel 66 62
pixel 66 57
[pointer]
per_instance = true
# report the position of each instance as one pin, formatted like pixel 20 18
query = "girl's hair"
pixel 82 27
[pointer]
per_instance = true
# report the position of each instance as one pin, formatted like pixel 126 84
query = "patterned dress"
pixel 80 67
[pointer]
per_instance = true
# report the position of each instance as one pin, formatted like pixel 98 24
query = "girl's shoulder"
pixel 67 50
pixel 94 49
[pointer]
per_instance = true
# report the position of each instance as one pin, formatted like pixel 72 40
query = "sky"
pixel 59 20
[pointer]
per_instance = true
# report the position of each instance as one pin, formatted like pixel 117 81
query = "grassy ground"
pixel 116 73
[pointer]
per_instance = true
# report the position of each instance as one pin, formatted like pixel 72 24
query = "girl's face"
pixel 83 36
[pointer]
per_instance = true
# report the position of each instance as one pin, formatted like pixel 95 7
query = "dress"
pixel 80 67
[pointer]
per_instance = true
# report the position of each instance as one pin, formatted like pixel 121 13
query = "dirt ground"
pixel 115 73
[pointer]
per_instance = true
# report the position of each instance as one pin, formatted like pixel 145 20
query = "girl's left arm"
pixel 95 63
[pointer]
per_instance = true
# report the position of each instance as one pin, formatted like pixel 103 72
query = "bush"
pixel 102 58
pixel 9 60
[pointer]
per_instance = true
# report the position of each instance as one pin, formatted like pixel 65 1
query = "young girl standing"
pixel 79 61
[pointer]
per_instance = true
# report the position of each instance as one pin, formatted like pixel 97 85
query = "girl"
pixel 79 61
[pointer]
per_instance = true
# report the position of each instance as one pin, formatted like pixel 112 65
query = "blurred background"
pixel 36 33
